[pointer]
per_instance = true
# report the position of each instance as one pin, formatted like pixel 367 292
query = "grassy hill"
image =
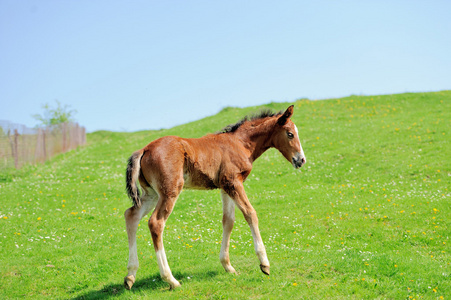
pixel 367 217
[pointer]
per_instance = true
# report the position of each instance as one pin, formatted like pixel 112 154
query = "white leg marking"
pixel 148 202
pixel 259 246
pixel 132 226
pixel 165 271
pixel 228 207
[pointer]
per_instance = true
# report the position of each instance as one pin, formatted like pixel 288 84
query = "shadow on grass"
pixel 150 283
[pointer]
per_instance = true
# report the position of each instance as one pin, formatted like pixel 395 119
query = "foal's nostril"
pixel 303 160
pixel 298 161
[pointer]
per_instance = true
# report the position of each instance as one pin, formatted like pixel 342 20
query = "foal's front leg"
pixel 241 200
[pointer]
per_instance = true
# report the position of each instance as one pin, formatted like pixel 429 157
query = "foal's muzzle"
pixel 298 161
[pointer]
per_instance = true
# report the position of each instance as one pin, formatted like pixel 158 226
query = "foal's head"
pixel 285 138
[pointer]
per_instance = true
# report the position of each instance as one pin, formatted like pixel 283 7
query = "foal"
pixel 216 161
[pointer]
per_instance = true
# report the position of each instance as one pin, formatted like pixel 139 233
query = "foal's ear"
pixel 286 116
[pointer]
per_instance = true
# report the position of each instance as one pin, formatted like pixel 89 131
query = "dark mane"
pixel 265 113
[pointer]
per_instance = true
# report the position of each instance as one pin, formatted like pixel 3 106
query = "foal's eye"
pixel 290 135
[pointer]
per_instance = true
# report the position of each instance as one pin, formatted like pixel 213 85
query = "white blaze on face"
pixel 300 146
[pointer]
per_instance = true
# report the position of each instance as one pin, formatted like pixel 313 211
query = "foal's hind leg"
pixel 156 225
pixel 228 218
pixel 132 217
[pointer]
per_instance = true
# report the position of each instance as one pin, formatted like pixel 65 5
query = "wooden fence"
pixel 21 145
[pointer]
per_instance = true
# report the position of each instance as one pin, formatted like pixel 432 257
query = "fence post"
pixel 64 136
pixel 37 154
pixel 11 143
pixel 76 135
pixel 83 136
pixel 16 152
pixel 43 144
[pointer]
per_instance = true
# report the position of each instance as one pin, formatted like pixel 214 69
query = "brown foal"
pixel 216 161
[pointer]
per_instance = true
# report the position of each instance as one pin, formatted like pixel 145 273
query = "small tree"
pixel 55 115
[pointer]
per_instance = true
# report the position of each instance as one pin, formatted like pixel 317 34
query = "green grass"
pixel 367 217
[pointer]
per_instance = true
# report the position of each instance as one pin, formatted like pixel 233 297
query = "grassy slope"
pixel 367 217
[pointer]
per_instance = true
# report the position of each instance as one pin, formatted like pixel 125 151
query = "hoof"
pixel 174 285
pixel 129 281
pixel 230 269
pixel 265 269
pixel 233 272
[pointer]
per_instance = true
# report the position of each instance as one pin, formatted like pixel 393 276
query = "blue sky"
pixel 133 65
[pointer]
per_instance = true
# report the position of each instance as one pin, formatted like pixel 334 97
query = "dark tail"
pixel 131 177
